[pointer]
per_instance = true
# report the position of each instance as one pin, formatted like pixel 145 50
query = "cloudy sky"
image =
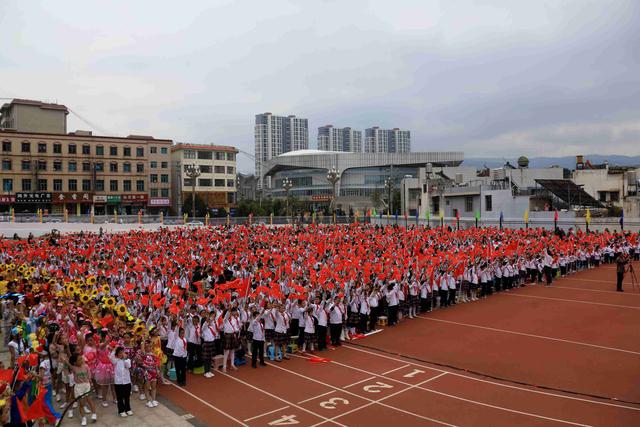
pixel 492 78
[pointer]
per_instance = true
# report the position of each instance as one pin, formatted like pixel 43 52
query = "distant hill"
pixel 568 162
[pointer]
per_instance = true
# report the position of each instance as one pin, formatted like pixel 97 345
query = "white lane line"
pixel 594 290
pixel 456 397
pixel 529 335
pixel 316 397
pixel 609 282
pixel 266 413
pixel 280 398
pixel 359 382
pixel 395 369
pixel 358 396
pixel 545 393
pixel 204 402
pixel 572 300
pixel 384 398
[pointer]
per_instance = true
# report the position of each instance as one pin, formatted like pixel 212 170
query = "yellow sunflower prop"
pixel 109 302
pixel 91 280
pixel 121 310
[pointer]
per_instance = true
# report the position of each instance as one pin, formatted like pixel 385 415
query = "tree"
pixel 376 199
pixel 201 207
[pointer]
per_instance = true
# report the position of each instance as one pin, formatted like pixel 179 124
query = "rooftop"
pixel 44 105
pixel 209 147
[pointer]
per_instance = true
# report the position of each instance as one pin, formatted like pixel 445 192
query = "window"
pixel 468 204
pixel 126 151
pixel 57 148
pixel 204 182
pixel 99 150
pixel 219 182
pixel 72 149
pixel 140 152
pixel 140 167
pixel 220 155
pixel 57 165
pixel 219 169
pixel 614 196
pixel 73 166
pixel 42 147
pixel 164 165
pixel 231 170
pixel 231 156
pixel 164 150
pixel 86 149
pixel 205 155
pixel 26 147
pixel 188 182
pixel 99 185
pixel 113 167
pixel 164 178
pixel 153 150
pixel 488 203
pixel 57 185
pixel 6 146
pixel 7 185
pixel 154 192
pixel 140 185
pixel 42 165
pixel 126 185
pixel 72 185
pixel 26 184
pixel 6 165
pixel 86 167
pixel 42 185
pixel 153 164
pixel 86 185
pixel 113 150
pixel 26 165
pixel 99 167
pixel 164 192
pixel 126 167
pixel 205 169
pixel 153 177
pixel 189 154
pixel 602 196
pixel 113 185
pixel 231 183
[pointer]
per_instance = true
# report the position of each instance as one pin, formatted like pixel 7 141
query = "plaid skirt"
pixel 281 339
pixel 473 286
pixel 465 286
pixel 309 338
pixel 414 300
pixel 208 350
pixel 269 335
pixel 231 341
pixel 354 318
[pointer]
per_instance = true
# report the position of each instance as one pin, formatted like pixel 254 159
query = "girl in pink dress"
pixel 103 373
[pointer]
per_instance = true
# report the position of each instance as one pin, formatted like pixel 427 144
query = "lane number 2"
pixel 376 388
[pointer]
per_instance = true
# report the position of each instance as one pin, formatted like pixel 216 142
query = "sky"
pixel 492 78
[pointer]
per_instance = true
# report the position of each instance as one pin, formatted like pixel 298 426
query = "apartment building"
pixel 216 184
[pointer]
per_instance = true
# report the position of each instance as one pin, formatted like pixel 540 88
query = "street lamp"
pixel 192 171
pixel 237 187
pixel 388 183
pixel 333 176
pixel 287 184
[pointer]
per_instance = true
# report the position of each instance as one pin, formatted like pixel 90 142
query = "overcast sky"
pixel 490 78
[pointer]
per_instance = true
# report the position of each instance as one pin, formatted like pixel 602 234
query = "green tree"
pixel 201 207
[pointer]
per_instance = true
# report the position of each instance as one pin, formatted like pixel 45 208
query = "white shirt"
pixel 121 374
pixel 257 328
pixel 180 347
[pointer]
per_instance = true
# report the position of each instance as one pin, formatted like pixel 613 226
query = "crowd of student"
pixel 94 319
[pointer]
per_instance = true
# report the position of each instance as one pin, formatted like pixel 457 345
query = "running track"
pixel 564 355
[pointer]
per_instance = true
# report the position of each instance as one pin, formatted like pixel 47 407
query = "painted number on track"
pixel 413 374
pixel 375 388
pixel 285 420
pixel 333 402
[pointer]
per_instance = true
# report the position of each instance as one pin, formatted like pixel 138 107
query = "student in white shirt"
pixel 180 357
pixel 309 331
pixel 336 317
pixel 122 381
pixel 256 327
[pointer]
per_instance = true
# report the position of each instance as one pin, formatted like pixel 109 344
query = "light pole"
pixel 286 186
pixel 193 171
pixel 428 171
pixel 388 183
pixel 237 187
pixel 333 176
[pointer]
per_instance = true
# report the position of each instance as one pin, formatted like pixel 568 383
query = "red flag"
pixel 39 408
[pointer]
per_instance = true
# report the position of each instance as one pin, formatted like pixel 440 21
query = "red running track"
pixel 464 365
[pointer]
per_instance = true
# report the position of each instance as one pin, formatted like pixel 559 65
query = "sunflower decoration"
pixel 91 280
pixel 109 302
pixel 72 290
pixel 121 310
pixel 106 289
pixel 26 275
pixel 139 327
pixel 3 286
pixel 11 267
pixel 22 269
pixel 60 294
pixel 94 293
pixel 52 281
pixel 3 267
pixel 31 270
pixel 84 298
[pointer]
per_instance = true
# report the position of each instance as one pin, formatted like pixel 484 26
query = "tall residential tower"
pixel 339 139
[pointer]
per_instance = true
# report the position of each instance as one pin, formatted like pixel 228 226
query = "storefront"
pixel 157 205
pixel 100 205
pixel 6 202
pixel 113 204
pixel 76 203
pixel 131 204
pixel 31 202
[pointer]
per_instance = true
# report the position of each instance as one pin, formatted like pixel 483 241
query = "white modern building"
pixel 339 139
pixel 387 140
pixel 275 135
